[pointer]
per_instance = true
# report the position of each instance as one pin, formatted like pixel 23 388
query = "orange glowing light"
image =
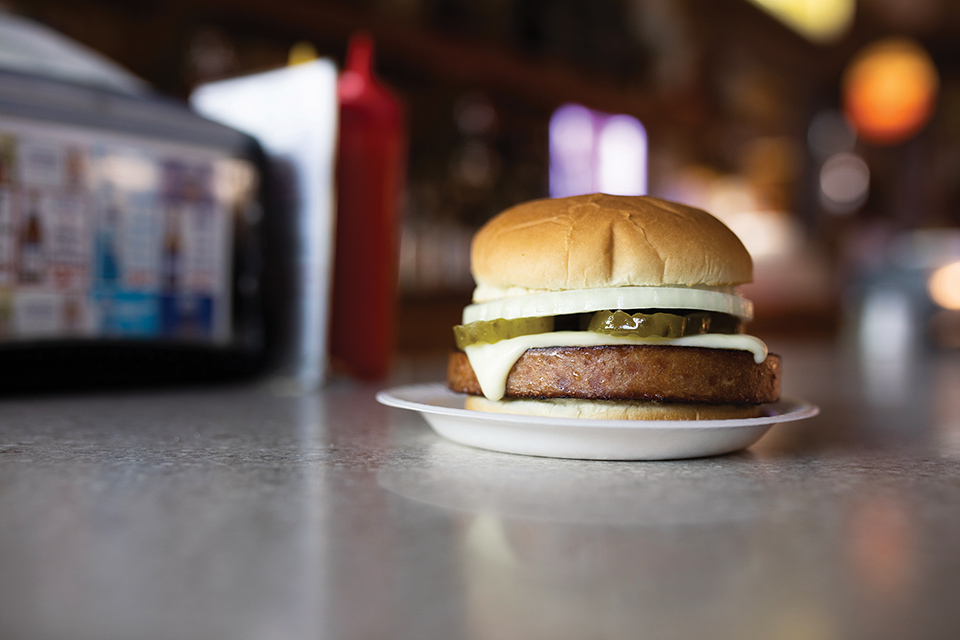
pixel 890 90
pixel 944 286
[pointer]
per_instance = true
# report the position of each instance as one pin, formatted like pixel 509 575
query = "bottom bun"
pixel 614 410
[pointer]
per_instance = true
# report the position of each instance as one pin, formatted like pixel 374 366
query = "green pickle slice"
pixel 491 331
pixel 662 325
pixel 612 323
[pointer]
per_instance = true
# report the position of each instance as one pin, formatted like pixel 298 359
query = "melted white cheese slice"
pixel 492 362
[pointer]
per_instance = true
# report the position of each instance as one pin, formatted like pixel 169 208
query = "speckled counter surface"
pixel 236 513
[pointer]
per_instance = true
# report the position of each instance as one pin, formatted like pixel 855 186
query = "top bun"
pixel 598 240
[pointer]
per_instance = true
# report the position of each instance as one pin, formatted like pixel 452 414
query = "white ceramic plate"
pixel 588 439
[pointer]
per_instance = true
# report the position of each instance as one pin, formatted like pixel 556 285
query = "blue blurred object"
pixel 894 317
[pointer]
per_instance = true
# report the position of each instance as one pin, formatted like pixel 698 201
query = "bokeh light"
pixel 830 133
pixel 890 90
pixel 844 183
pixel 819 20
pixel 622 157
pixel 571 151
pixel 591 151
pixel 944 286
pixel 301 52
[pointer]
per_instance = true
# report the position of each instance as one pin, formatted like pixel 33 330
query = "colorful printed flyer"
pixel 105 235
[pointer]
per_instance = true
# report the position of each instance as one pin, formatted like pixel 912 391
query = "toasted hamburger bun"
pixel 599 241
pixel 613 409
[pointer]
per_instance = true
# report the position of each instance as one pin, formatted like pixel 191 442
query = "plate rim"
pixel 788 409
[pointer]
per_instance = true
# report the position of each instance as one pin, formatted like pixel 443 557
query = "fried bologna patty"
pixel 669 374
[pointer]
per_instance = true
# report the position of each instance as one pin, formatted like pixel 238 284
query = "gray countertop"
pixel 239 513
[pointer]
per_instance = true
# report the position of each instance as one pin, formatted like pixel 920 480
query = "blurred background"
pixel 825 133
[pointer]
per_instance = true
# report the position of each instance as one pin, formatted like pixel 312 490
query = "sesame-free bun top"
pixel 599 240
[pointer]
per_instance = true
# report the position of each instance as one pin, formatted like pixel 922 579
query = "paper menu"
pixel 108 235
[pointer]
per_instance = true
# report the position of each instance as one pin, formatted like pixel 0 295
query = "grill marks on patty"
pixel 643 372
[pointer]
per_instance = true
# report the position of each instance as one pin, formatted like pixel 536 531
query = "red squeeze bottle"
pixel 370 170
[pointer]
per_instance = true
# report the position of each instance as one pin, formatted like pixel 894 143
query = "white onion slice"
pixel 558 303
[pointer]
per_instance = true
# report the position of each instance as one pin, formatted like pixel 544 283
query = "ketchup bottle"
pixel 370 173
